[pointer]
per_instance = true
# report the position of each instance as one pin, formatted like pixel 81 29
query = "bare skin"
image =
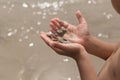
pixel 82 43
pixel 75 51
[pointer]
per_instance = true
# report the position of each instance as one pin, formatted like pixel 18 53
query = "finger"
pixel 46 39
pixel 50 43
pixel 53 31
pixel 61 46
pixel 58 51
pixel 53 27
pixel 63 24
pixel 55 21
pixel 80 17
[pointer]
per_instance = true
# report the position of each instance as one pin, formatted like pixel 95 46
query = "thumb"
pixel 80 17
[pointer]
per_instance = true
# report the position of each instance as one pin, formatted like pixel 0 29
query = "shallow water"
pixel 24 56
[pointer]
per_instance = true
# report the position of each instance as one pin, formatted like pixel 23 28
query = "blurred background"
pixel 24 56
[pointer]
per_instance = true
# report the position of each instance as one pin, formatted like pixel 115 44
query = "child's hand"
pixel 77 34
pixel 73 50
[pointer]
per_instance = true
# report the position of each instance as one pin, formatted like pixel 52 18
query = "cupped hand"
pixel 73 50
pixel 77 34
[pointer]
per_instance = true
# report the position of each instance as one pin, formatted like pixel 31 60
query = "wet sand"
pixel 24 56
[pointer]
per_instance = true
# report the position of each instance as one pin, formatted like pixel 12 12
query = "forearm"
pixel 86 69
pixel 99 48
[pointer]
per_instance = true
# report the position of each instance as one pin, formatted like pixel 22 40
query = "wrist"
pixel 81 56
pixel 87 40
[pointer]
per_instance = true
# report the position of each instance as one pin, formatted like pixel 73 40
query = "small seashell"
pixel 58 35
pixel 61 32
pixel 52 36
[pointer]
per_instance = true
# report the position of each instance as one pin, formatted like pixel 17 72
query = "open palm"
pixel 77 34
pixel 73 50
